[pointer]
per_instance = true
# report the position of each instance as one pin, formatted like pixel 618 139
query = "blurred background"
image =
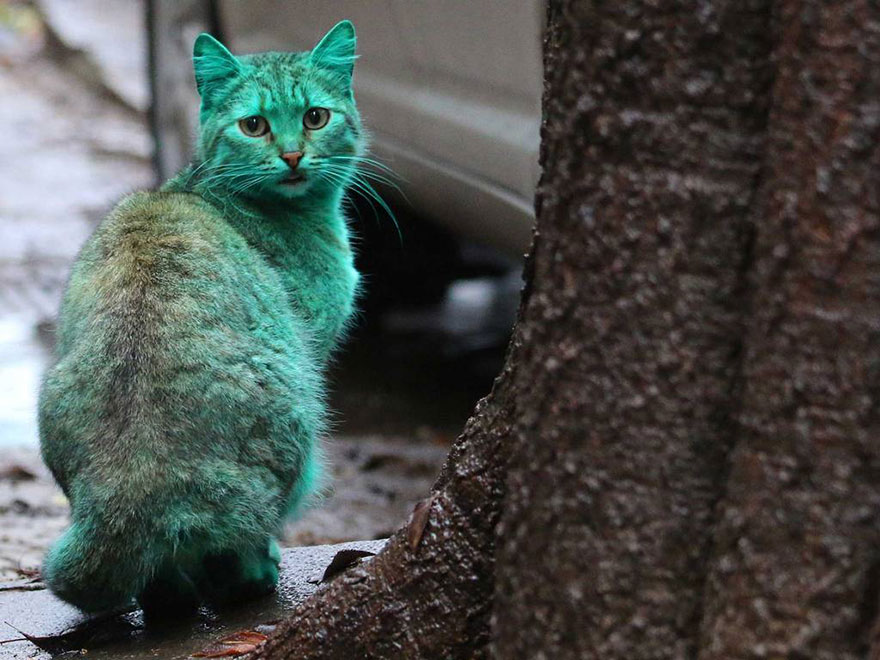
pixel 98 101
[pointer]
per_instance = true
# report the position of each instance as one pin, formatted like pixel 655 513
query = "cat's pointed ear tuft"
pixel 336 51
pixel 213 63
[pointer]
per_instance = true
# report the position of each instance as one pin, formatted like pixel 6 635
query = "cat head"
pixel 278 124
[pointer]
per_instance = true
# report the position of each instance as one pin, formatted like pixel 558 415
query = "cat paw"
pixel 231 577
pixel 169 596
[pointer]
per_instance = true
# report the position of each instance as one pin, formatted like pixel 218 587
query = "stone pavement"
pixel 125 637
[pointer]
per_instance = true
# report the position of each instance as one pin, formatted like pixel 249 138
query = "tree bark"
pixel 794 573
pixel 655 116
pixel 680 457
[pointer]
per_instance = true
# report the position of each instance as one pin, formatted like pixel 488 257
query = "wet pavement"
pixel 126 637
pixel 22 360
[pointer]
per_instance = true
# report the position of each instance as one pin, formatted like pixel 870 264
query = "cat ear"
pixel 336 50
pixel 212 62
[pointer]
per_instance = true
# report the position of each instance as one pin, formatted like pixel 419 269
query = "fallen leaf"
pixel 418 520
pixel 50 643
pixel 240 643
pixel 16 473
pixel 342 560
pixel 97 630
pixel 29 584
pixel 30 573
pixel 53 644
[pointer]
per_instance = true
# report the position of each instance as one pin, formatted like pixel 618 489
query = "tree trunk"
pixel 680 457
pixel 172 26
pixel 794 571
pixel 652 147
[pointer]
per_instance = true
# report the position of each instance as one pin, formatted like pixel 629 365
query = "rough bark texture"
pixel 655 116
pixel 795 569
pixel 680 458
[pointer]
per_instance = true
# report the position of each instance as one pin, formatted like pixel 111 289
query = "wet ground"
pixel 71 149
pixel 58 630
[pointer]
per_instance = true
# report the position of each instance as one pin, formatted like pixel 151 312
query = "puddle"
pixel 22 361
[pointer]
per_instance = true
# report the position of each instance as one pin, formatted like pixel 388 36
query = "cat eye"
pixel 255 126
pixel 316 118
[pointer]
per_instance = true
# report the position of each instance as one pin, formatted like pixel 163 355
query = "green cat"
pixel 183 412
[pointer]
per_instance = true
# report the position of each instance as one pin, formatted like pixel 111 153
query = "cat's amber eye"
pixel 316 118
pixel 255 126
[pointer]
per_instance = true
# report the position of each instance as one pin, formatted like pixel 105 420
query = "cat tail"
pixel 93 572
pixel 311 486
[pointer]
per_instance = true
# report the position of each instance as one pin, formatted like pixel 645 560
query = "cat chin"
pixel 297 189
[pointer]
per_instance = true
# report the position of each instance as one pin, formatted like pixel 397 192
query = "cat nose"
pixel 292 158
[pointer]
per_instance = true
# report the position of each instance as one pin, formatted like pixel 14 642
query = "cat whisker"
pixel 367 160
pixel 359 185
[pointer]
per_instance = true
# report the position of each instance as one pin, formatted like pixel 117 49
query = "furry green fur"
pixel 182 414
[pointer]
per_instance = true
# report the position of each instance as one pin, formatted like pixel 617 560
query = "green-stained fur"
pixel 182 415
